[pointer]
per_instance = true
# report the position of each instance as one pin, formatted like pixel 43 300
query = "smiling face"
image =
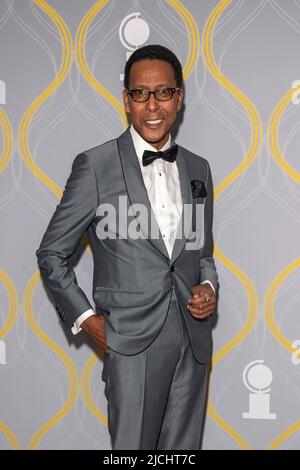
pixel 153 119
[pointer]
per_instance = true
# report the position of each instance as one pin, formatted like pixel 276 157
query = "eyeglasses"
pixel 161 94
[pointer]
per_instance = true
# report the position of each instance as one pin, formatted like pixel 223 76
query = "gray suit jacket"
pixel 133 278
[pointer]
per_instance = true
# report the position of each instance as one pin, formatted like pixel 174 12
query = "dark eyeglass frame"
pixel 130 92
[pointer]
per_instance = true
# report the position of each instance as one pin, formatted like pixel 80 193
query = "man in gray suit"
pixel 146 204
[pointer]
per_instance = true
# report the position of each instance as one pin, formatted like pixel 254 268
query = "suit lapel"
pixel 184 224
pixel 137 192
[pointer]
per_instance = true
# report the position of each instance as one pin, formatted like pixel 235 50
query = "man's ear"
pixel 126 101
pixel 180 99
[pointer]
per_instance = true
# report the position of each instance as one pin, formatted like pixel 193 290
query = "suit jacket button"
pixel 172 268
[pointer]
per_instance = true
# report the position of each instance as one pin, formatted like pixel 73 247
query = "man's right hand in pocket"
pixel 94 326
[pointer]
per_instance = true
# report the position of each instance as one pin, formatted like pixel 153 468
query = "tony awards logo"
pixel 257 377
pixel 296 353
pixel 296 94
pixel 2 92
pixel 133 33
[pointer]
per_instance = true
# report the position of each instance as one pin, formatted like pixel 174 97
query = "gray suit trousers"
pixel 156 399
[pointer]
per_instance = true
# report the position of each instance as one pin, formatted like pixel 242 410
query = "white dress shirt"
pixel 161 180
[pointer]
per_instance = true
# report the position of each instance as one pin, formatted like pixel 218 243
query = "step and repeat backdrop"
pixel 61 72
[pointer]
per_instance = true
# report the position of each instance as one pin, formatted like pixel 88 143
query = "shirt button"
pixel 159 174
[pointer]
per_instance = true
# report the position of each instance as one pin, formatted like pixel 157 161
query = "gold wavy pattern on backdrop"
pixel 273 140
pixel 251 111
pixel 82 63
pixel 73 379
pixel 269 313
pixel 255 143
pixel 13 304
pixel 23 139
pixel 8 140
pixel 12 294
pixel 11 318
pixel 10 436
pixel 276 153
pixel 86 388
pixel 194 46
pixel 25 123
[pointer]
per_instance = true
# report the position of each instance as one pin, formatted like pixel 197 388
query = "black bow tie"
pixel 169 155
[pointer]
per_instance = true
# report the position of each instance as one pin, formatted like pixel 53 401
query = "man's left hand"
pixel 203 303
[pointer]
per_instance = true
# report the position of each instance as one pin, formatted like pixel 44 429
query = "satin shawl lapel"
pixel 137 192
pixel 185 222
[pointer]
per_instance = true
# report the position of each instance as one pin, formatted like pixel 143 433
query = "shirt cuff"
pixel 208 282
pixel 76 327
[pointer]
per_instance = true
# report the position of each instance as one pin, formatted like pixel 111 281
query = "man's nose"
pixel 152 103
